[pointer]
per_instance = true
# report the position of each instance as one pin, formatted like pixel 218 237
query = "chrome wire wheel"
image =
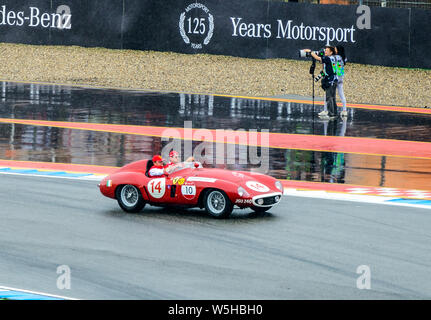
pixel 218 204
pixel 130 198
pixel 129 195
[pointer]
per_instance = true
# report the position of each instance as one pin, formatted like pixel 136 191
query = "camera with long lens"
pixel 306 54
pixel 319 76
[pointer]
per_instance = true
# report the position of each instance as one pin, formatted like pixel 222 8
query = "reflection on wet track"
pixel 73 104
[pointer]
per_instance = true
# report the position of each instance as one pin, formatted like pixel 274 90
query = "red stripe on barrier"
pixel 370 146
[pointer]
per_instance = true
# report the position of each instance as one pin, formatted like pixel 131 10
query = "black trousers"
pixel 331 103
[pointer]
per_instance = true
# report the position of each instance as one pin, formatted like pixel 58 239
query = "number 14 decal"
pixel 157 187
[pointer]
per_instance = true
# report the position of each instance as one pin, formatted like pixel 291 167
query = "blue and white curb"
pixel 394 201
pixel 50 173
pixel 384 198
pixel 19 294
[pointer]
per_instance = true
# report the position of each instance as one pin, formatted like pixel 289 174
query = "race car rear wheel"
pixel 217 204
pixel 130 198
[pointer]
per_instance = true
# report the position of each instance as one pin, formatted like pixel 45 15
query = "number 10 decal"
pixel 188 191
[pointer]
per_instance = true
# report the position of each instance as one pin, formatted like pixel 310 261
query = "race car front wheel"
pixel 130 198
pixel 217 204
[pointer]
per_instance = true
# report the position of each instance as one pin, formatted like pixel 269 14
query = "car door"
pixel 182 191
pixel 167 189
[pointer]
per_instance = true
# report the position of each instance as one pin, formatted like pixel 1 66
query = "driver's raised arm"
pixel 171 168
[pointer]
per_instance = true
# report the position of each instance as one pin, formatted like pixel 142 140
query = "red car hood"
pixel 239 177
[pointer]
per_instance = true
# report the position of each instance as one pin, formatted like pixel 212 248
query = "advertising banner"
pixel 262 29
pixel 252 28
pixel 78 22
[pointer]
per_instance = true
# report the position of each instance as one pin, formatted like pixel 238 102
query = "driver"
pixel 158 169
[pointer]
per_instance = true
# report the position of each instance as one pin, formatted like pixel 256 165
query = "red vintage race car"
pixel 191 185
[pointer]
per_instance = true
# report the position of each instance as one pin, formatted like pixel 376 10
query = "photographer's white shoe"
pixel 343 113
pixel 323 113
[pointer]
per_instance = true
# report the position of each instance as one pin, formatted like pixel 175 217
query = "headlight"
pixel 279 185
pixel 243 193
pixel 260 201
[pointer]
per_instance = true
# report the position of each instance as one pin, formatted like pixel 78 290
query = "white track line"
pixel 2 288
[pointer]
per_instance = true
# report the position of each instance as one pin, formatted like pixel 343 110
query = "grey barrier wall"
pixel 252 28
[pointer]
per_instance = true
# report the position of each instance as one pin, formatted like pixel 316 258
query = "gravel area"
pixel 202 73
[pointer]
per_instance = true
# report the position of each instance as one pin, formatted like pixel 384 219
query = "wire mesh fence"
pixel 421 4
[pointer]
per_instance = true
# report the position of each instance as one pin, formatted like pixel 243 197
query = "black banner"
pixel 57 22
pixel 253 29
pixel 95 23
pixel 419 45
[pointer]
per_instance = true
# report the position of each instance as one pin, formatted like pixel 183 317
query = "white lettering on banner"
pixel 196 30
pixel 301 32
pixel 62 19
pixel 290 31
pixel 250 30
pixel 34 17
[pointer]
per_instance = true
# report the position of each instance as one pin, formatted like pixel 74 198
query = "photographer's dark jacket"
pixel 330 76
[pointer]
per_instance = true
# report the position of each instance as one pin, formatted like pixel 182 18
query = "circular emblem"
pixel 196 25
pixel 256 186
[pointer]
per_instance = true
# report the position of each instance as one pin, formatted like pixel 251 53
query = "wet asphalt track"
pixel 302 249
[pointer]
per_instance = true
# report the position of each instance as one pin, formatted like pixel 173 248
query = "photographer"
pixel 341 59
pixel 329 81
pixel 341 62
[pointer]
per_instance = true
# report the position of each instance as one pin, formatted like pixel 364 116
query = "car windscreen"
pixel 185 165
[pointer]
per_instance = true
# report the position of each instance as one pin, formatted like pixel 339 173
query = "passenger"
pixel 174 161
pixel 174 158
pixel 158 169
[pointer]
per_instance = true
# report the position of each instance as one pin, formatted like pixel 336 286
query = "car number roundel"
pixel 256 186
pixel 157 187
pixel 188 191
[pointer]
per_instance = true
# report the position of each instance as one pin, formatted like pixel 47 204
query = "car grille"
pixel 267 201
